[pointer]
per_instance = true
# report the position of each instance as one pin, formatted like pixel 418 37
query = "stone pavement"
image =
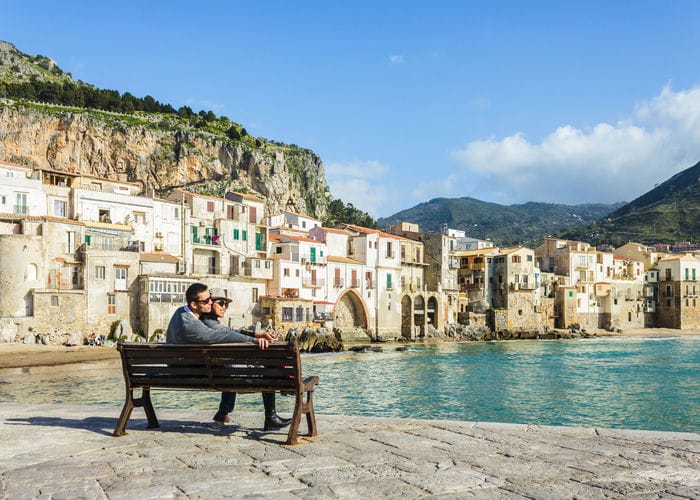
pixel 61 451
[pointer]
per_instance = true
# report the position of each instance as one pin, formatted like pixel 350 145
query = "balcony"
pixel 338 283
pixel 355 283
pixel 313 283
pixel 370 285
pixel 19 209
pixel 213 240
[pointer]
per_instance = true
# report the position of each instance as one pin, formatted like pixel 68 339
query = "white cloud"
pixel 360 183
pixel 604 163
pixel 397 59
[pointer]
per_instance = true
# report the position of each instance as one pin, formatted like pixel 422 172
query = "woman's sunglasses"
pixel 222 303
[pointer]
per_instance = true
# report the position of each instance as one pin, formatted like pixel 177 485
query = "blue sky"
pixel 405 101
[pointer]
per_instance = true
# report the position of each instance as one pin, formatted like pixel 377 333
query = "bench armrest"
pixel 310 383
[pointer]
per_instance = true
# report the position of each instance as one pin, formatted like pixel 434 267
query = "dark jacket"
pixel 186 328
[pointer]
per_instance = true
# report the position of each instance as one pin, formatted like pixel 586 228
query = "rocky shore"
pixel 18 357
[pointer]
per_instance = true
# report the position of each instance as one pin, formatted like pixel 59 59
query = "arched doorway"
pixel 406 323
pixel 419 314
pixel 432 312
pixel 351 314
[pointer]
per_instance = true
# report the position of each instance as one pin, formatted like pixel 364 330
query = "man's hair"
pixel 193 291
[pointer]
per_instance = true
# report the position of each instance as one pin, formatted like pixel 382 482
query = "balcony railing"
pixel 339 283
pixel 311 283
pixel 214 240
pixel 20 209
pixel 323 316
pixel 355 283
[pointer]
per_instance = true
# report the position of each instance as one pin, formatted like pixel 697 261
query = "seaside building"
pixel 82 255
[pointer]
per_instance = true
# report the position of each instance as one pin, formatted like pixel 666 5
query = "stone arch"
pixel 419 314
pixel 406 323
pixel 432 312
pixel 351 312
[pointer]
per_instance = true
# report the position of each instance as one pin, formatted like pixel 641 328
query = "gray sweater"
pixel 186 328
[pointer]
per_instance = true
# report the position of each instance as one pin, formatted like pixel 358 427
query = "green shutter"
pixel 235 234
pixel 244 236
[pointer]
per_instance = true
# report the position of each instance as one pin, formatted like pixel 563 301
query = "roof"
pixel 248 196
pixel 158 257
pixel 300 239
pixel 301 215
pixel 336 230
pixel 679 256
pixel 478 251
pixel 346 260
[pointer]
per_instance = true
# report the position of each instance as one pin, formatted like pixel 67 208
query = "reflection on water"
pixel 626 383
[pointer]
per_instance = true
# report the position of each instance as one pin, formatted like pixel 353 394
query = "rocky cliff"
pixel 163 153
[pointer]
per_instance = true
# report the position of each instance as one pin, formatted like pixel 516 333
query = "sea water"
pixel 632 383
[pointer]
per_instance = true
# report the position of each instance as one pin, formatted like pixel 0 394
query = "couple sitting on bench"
pixel 198 323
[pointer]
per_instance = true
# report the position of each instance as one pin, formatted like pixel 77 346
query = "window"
pixel 176 213
pixel 515 259
pixel 255 294
pixel 54 301
pixel 236 234
pixel 104 215
pixel 668 275
pixel 529 258
pixel 99 272
pixel 389 285
pixel 287 313
pixel 300 314
pixel 303 224
pixel 70 241
pixel 59 208
pixel 21 203
pixel 3 200
pixel 278 249
pixel 389 253
pixel 111 303
pixel 139 217
pixel 244 235
pixel 210 206
pixel 285 272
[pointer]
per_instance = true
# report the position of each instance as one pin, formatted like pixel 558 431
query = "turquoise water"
pixel 629 383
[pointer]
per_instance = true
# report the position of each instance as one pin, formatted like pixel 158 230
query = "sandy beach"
pixel 17 357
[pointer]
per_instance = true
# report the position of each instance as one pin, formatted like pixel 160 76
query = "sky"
pixel 406 101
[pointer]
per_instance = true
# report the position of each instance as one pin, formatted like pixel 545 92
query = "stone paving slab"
pixel 63 451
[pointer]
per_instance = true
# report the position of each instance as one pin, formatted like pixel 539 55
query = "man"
pixel 186 327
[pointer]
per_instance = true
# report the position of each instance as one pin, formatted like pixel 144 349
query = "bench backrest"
pixel 217 367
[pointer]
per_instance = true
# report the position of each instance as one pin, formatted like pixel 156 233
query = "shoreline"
pixel 18 358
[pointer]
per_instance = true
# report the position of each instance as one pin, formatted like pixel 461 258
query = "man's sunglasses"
pixel 206 301
pixel 222 303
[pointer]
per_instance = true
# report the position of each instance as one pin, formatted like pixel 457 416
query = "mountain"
pixel 527 224
pixel 49 120
pixel 668 213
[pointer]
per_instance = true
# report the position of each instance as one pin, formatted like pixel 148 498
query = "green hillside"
pixel 526 224
pixel 668 213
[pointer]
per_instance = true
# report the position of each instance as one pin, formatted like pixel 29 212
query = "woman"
pixel 228 399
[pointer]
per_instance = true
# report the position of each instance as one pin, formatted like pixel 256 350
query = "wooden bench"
pixel 242 368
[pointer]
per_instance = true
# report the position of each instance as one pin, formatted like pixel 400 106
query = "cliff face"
pixel 162 154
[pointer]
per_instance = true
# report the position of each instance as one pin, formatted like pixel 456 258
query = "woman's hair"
pixel 209 315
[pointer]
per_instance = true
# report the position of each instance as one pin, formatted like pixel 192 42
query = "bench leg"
pixel 120 428
pixel 131 403
pixel 310 415
pixel 296 420
pixel 148 408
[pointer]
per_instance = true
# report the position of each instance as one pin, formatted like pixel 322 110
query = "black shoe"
pixel 221 417
pixel 274 422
